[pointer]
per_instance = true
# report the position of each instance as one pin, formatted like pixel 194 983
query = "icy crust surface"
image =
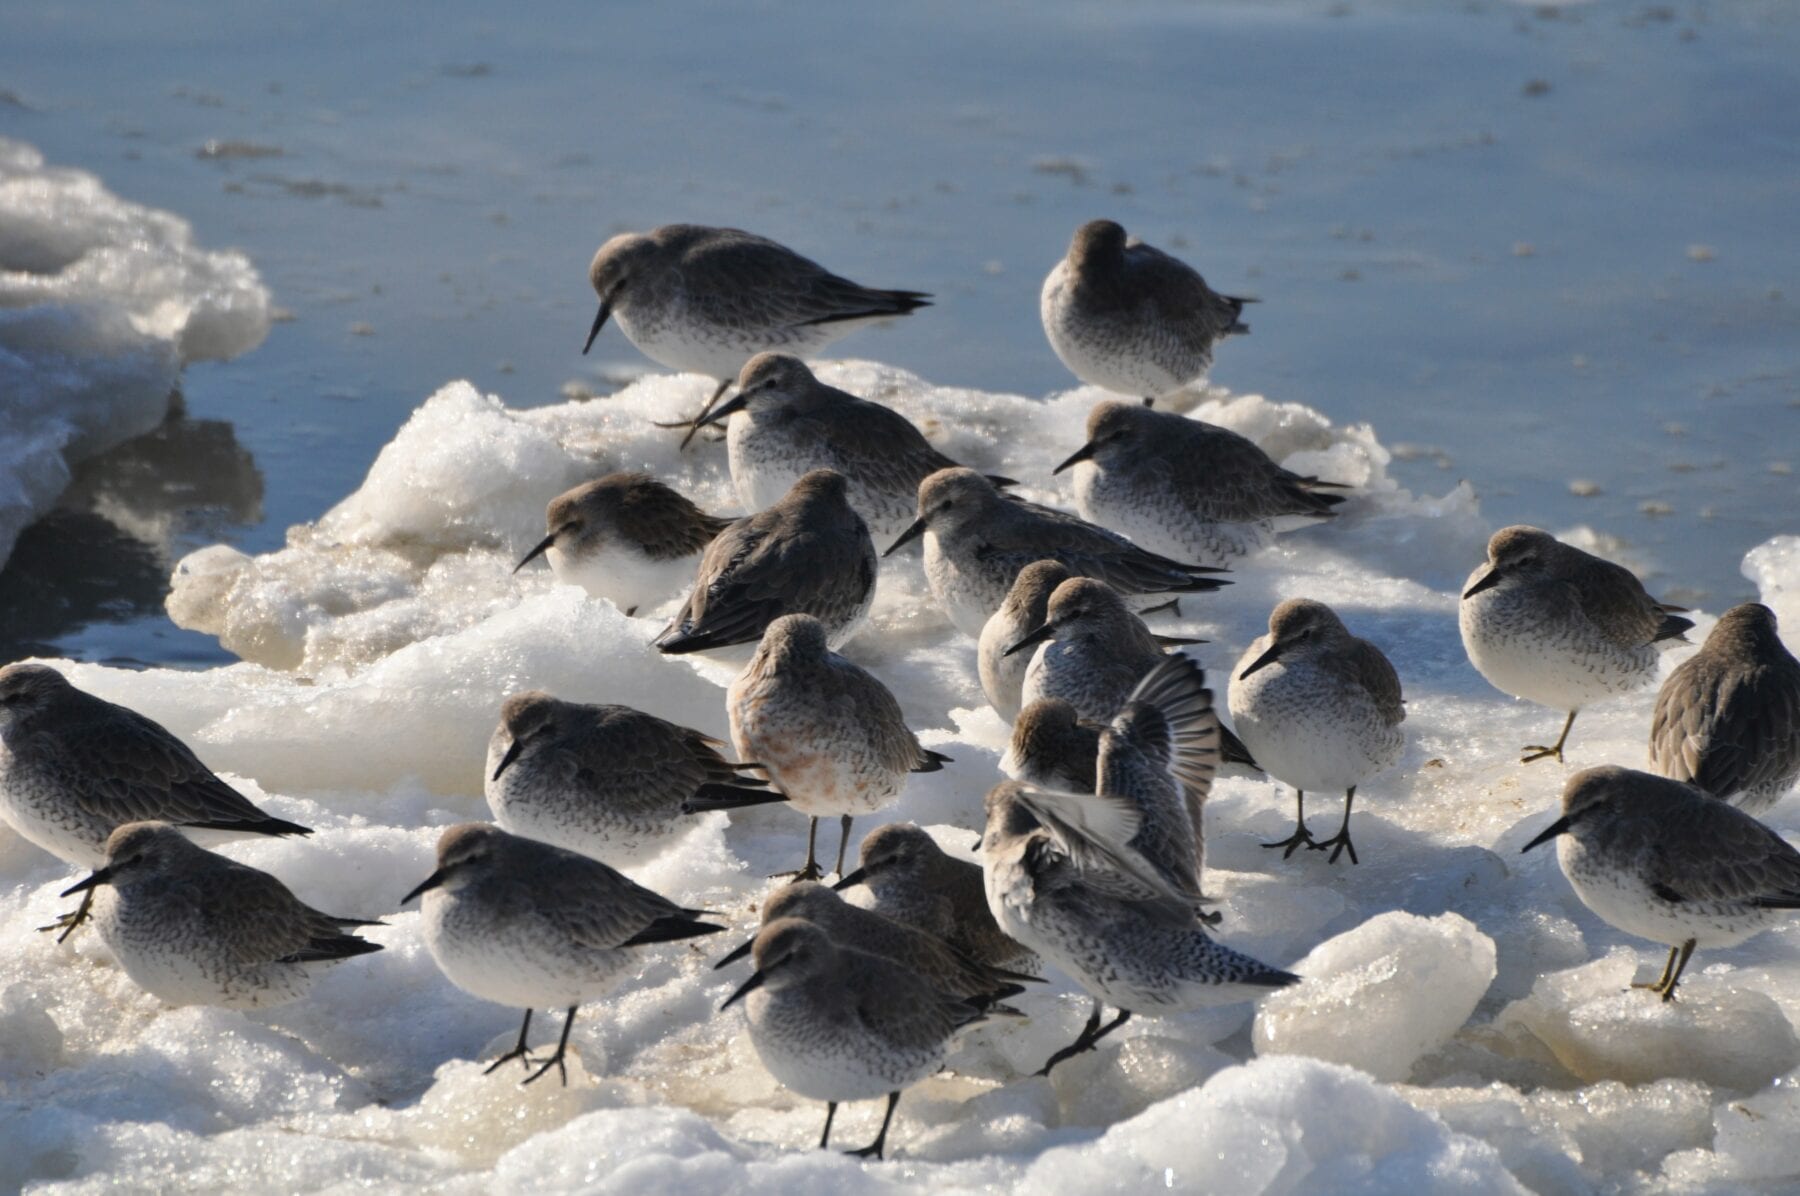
pixel 1463 1025
pixel 102 302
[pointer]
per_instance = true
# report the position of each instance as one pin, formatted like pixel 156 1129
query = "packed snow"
pixel 1462 1024
pixel 102 302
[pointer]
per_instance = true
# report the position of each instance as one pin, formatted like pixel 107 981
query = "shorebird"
pixel 1319 709
pixel 920 952
pixel 705 300
pixel 1055 887
pixel 1666 861
pixel 1187 489
pixel 1128 318
pixel 915 882
pixel 194 928
pixel 783 423
pixel 829 734
pixel 1547 622
pixel 1053 747
pixel 74 768
pixel 809 554
pixel 978 539
pixel 519 922
pixel 626 538
pixel 607 781
pixel 1003 673
pixel 1728 717
pixel 836 1023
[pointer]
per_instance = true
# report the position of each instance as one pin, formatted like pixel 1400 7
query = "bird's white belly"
pixel 1154 519
pixel 967 597
pixel 173 958
pixel 627 578
pixel 1621 899
pixel 510 964
pixel 1308 731
pixel 823 1062
pixel 1561 663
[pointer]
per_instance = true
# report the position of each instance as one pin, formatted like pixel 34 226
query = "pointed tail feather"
pixel 671 929
pixel 713 796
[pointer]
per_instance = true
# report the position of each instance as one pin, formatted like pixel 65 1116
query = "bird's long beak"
pixel 751 985
pixel 1084 453
pixel 1550 832
pixel 735 403
pixel 737 953
pixel 543 546
pixel 425 886
pixel 1491 579
pixel 1269 657
pixel 850 880
pixel 1045 632
pixel 97 878
pixel 599 323
pixel 913 531
pixel 512 753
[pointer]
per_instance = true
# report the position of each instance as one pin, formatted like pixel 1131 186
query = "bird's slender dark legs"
pixel 843 842
pixel 830 1112
pixel 518 1052
pixel 1340 842
pixel 68 922
pixel 562 1049
pixel 1537 751
pixel 693 425
pixel 1671 973
pixel 1301 836
pixel 875 1148
pixel 812 871
pixel 1090 1034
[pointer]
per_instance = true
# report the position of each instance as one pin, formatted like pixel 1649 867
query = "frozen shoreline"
pixel 102 304
pixel 386 635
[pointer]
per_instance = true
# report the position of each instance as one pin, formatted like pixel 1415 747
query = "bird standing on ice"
pixel 784 423
pixel 194 928
pixel 1128 318
pixel 978 539
pixel 1319 709
pixel 809 554
pixel 830 735
pixel 608 781
pixel 74 768
pixel 519 922
pixel 1187 489
pixel 1666 861
pixel 625 537
pixel 706 300
pixel 836 1023
pixel 1728 717
pixel 1547 622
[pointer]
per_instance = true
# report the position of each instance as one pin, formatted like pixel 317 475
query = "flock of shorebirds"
pixel 1091 859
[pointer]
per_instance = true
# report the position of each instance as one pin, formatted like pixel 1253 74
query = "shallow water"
pixel 1532 246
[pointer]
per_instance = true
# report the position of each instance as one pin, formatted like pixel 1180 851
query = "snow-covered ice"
pixel 1463 1025
pixel 102 302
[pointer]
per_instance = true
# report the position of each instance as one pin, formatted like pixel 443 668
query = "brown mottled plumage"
pixel 915 882
pixel 192 927
pixel 1728 718
pixel 76 767
pixel 609 781
pixel 808 554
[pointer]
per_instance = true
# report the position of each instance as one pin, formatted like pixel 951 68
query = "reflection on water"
pixel 102 557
